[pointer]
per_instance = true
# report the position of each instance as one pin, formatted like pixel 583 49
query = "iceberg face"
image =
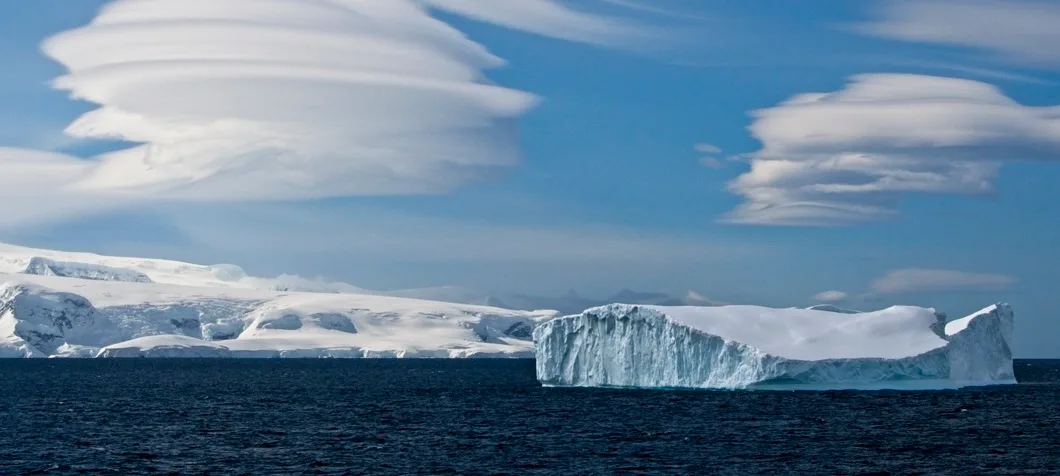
pixel 735 347
pixel 979 346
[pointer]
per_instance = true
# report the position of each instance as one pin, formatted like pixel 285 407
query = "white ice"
pixel 758 347
pixel 22 260
pixel 83 305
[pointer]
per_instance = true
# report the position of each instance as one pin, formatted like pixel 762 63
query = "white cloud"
pixel 1013 30
pixel 247 100
pixel 711 162
pixel 849 156
pixel 40 186
pixel 908 281
pixel 830 296
pixel 285 99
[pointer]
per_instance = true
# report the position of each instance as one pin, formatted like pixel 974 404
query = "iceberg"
pixel 751 347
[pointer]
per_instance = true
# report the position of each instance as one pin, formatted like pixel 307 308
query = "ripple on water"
pixel 481 417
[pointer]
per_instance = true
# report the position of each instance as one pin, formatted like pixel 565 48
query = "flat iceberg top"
pixel 807 334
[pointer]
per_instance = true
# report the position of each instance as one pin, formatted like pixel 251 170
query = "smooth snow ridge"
pixel 21 260
pixel 756 347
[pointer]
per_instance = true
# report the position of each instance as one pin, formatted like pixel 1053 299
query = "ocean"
pixel 265 417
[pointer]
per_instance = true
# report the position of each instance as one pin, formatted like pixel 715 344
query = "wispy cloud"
pixel 553 19
pixel 975 72
pixel 830 296
pixel 913 280
pixel 849 156
pixel 711 162
pixel 397 237
pixel 1015 31
pixel 707 148
pixel 39 187
pixel 658 8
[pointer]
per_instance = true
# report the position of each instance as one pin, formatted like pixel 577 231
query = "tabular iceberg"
pixel 751 347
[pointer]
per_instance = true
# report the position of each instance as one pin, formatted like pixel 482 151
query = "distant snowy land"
pixel 59 304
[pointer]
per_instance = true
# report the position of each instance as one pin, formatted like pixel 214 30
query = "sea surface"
pixel 491 417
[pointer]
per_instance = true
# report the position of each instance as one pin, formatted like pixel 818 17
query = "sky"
pixel 860 153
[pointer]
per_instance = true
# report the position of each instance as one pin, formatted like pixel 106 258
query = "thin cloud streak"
pixel 1012 31
pixel 830 296
pixel 552 19
pixel 937 281
pixel 394 237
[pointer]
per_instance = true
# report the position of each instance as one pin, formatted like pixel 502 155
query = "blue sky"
pixel 951 202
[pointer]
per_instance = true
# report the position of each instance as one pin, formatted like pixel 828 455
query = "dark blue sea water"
pixel 491 417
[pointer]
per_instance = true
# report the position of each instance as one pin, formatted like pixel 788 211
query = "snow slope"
pixel 50 316
pixel 757 347
pixel 22 260
pixel 568 303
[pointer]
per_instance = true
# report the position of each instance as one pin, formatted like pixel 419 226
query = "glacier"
pixel 71 304
pixel 49 316
pixel 752 347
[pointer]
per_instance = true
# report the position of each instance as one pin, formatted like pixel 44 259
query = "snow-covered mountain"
pixel 59 304
pixel 22 260
pixel 46 316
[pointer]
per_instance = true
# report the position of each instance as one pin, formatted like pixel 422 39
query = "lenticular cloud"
pixel 285 99
pixel 850 156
